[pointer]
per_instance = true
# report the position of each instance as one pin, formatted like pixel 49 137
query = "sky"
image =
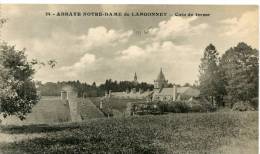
pixel 93 49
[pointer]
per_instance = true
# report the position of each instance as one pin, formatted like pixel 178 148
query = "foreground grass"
pixel 175 133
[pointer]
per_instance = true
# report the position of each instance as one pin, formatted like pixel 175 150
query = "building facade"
pixel 160 81
pixel 162 92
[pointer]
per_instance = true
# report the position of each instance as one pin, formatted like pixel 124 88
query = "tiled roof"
pixel 137 94
pixel 166 91
pixel 188 91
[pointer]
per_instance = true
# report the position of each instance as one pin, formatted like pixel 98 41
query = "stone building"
pixel 131 94
pixel 160 82
pixel 162 92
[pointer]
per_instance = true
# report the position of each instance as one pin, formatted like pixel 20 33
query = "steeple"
pixel 135 77
pixel 160 76
pixel 160 81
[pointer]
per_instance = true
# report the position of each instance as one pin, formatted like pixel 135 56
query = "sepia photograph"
pixel 129 79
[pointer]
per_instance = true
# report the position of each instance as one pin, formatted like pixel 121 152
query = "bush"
pixel 198 108
pixel 181 107
pixel 201 105
pixel 243 106
pixel 184 107
pixel 254 102
pixel 174 107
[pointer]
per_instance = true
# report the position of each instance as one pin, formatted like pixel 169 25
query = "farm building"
pixel 175 93
pixel 161 91
pixel 133 94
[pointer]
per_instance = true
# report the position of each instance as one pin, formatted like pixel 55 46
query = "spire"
pixel 135 77
pixel 160 76
pixel 160 81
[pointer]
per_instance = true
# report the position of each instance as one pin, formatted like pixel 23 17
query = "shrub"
pixel 181 107
pixel 163 107
pixel 184 106
pixel 174 107
pixel 254 102
pixel 197 108
pixel 201 105
pixel 242 106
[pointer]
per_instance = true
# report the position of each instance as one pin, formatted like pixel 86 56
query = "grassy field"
pixel 88 110
pixel 220 132
pixel 49 109
pixel 117 105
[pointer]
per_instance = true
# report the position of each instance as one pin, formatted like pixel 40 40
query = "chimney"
pixel 109 93
pixel 38 92
pixel 174 95
pixel 68 92
pixel 63 95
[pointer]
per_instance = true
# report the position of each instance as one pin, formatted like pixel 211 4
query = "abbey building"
pixel 162 91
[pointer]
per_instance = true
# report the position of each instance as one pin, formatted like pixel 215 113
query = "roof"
pixel 187 91
pixel 160 76
pixel 181 90
pixel 136 94
pixel 166 91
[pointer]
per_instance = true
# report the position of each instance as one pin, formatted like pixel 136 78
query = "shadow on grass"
pixel 73 144
pixel 39 128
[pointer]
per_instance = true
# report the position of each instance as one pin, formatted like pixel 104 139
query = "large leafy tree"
pixel 210 83
pixel 17 90
pixel 240 68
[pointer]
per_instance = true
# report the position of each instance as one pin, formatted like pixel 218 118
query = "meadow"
pixel 50 109
pixel 218 132
pixel 114 106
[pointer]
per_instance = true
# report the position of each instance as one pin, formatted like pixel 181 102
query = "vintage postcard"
pixel 164 79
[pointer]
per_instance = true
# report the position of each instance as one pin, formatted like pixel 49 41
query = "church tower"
pixel 160 82
pixel 135 79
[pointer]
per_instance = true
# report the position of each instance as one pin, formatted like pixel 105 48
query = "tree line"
pixel 230 78
pixel 84 89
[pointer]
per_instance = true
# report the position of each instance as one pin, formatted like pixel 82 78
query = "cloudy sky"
pixel 96 48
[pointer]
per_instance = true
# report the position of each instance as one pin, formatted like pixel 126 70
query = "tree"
pixel 240 72
pixel 17 90
pixel 187 84
pixel 210 83
pixel 94 85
